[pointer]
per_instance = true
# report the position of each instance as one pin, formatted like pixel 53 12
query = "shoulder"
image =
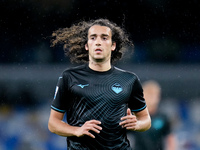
pixel 73 69
pixel 126 72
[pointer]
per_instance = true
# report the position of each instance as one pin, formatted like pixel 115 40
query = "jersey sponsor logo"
pixel 117 88
pixel 82 85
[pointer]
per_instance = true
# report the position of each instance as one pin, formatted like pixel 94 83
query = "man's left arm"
pixel 139 121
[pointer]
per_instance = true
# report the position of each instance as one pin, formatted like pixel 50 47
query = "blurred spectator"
pixel 159 136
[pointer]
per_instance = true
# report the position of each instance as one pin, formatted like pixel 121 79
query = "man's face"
pixel 100 43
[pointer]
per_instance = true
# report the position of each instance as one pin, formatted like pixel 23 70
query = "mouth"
pixel 98 50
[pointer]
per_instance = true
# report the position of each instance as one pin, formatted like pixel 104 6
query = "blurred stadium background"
pixel 166 35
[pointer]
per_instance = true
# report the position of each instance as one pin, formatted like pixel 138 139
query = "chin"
pixel 99 60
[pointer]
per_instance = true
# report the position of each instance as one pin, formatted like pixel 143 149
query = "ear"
pixel 86 47
pixel 113 46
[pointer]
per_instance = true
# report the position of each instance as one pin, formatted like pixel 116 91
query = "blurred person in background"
pixel 97 97
pixel 159 136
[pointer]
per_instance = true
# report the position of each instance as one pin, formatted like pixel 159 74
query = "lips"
pixel 98 50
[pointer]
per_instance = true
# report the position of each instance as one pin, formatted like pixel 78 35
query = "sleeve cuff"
pixel 136 110
pixel 56 109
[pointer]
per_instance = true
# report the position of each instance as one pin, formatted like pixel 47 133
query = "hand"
pixel 129 122
pixel 92 125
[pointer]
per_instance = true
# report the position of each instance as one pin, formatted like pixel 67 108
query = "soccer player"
pixel 101 101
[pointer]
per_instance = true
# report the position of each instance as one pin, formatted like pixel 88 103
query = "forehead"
pixel 99 30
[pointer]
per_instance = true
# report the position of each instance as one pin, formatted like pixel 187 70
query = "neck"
pixel 100 66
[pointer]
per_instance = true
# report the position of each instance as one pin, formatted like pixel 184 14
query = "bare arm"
pixel 57 126
pixel 141 121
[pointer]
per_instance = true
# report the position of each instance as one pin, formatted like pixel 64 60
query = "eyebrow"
pixel 101 35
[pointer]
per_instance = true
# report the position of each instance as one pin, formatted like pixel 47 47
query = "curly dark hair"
pixel 75 37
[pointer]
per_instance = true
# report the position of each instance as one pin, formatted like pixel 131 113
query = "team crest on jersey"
pixel 117 88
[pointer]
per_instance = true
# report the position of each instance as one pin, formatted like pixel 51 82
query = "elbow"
pixel 149 124
pixel 51 128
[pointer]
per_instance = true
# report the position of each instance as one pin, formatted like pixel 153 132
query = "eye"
pixel 105 38
pixel 92 38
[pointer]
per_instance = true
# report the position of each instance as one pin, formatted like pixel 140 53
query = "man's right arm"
pixel 58 126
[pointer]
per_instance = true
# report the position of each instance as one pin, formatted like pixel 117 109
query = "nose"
pixel 98 41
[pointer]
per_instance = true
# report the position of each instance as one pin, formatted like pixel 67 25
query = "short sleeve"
pixel 137 102
pixel 59 101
